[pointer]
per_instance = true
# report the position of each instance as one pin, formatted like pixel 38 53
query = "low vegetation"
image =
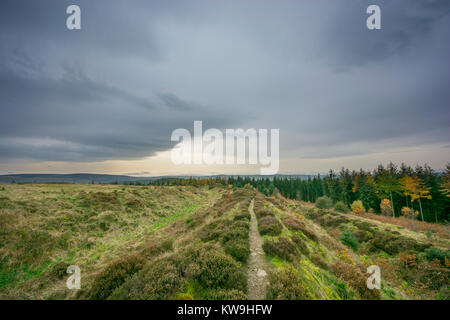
pixel 192 242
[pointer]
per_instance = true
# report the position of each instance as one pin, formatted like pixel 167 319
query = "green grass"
pixel 164 221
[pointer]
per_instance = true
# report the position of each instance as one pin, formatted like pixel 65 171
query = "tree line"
pixel 419 189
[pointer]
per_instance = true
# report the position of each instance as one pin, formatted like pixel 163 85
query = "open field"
pixel 208 242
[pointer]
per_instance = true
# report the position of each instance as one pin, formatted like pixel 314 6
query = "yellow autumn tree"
pixel 415 187
pixel 357 207
pixel 385 207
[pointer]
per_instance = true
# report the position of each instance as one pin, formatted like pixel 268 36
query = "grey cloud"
pixel 404 25
pixel 89 120
pixel 137 70
pixel 172 101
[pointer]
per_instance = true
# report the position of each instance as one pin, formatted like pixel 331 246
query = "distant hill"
pixel 85 178
pixel 82 178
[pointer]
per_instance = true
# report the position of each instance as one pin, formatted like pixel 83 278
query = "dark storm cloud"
pixel 73 118
pixel 138 70
pixel 404 24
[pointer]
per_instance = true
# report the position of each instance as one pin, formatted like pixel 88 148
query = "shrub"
pixel 212 230
pixel 363 225
pixel 225 295
pixel 350 241
pixel 155 248
pixel 99 200
pixel 436 253
pixel 386 208
pixel 324 203
pixel 409 213
pixel 431 276
pixel 159 280
pixel 434 276
pixel 331 221
pixel 241 224
pixel 114 276
pixel 311 235
pixel 345 256
pixel 285 284
pixel 340 206
pixel 238 249
pixel 318 261
pixel 393 244
pixel 293 223
pixel 362 235
pixel 214 269
pixel 356 279
pixel 263 212
pixel 283 248
pixel 243 215
pixel 409 260
pixel 5 203
pixel 270 226
pixel 59 270
pixel 34 246
pixel 135 204
pixel 234 232
pixel 357 207
pixel 301 245
pixel 296 224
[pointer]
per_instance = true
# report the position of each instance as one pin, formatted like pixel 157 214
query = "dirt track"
pixel 257 267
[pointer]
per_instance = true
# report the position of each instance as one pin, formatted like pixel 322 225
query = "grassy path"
pixel 257 276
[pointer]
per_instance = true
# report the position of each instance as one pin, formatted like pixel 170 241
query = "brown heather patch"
pixel 269 225
pixel 285 284
pixel 414 225
pixel 356 279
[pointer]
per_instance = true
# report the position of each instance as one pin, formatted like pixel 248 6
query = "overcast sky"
pixel 106 98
